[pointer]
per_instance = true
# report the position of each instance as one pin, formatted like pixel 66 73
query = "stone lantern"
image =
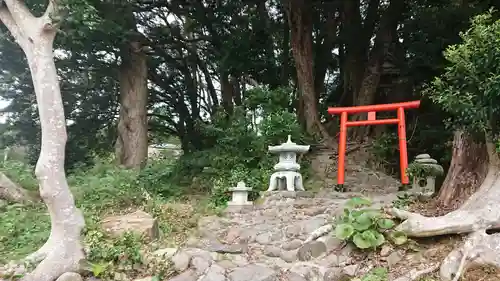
pixel 287 175
pixel 425 171
pixel 240 195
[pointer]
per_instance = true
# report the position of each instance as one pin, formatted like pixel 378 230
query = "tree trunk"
pixel 386 33
pixel 285 68
pixel 63 250
pixel 299 14
pixel 227 92
pixel 132 142
pixel 467 170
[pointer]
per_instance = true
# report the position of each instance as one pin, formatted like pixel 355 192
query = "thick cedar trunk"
pixel 285 68
pixel 299 14
pixel 468 168
pixel 132 142
pixel 238 98
pixel 386 33
pixel 227 92
pixel 63 250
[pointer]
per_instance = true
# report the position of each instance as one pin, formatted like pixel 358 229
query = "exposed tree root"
pixel 478 249
pixel 479 213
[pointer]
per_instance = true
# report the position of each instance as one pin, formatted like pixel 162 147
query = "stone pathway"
pixel 267 242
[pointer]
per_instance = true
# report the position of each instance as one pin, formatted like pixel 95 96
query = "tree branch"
pixel 51 8
pixel 48 15
pixel 12 26
pixel 20 13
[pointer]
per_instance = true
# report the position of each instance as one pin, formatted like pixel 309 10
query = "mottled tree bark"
pixel 132 142
pixel 468 168
pixel 63 250
pixel 299 13
pixel 386 33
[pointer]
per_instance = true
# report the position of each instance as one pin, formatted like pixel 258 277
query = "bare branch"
pixel 50 12
pixel 20 13
pixel 9 22
pixel 51 8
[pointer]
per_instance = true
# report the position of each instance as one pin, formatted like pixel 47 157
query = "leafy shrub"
pixel 104 188
pixel 235 146
pixel 109 258
pixel 469 90
pixel 417 170
pixel 365 227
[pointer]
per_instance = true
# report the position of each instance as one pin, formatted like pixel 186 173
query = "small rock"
pixel 272 251
pixel 227 264
pixel 333 260
pixel 138 222
pixel 239 260
pixel 289 256
pixel 351 270
pixel 292 276
pixel 181 261
pixel 232 235
pixel 336 274
pixel 227 249
pixel 309 271
pixel 331 242
pixel 292 245
pixel 385 251
pixel 314 223
pixel 311 250
pixel 188 275
pixel 167 253
pixel 264 238
pixel 314 211
pixel 70 276
pixel 293 231
pixel 394 258
pixel 215 273
pixel 253 272
pixel 200 264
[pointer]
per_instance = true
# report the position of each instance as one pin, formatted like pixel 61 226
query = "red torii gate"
pixel 372 120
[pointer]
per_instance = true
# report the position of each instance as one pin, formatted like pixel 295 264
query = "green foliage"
pixel 417 170
pixel 109 258
pixel 403 201
pixel 236 146
pixel 470 87
pixel 22 230
pixel 365 227
pixel 100 190
pixel 22 173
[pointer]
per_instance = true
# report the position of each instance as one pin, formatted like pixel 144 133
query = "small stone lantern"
pixel 424 182
pixel 287 175
pixel 240 195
